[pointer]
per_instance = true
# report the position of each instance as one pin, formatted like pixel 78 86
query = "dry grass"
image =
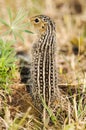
pixel 17 111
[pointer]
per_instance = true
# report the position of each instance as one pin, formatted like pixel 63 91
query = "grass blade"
pixel 10 14
pixel 4 22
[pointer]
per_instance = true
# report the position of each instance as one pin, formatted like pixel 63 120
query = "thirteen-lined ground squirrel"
pixel 44 75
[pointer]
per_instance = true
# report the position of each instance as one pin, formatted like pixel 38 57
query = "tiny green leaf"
pixel 27 31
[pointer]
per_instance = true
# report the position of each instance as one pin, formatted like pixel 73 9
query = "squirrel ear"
pixel 45 20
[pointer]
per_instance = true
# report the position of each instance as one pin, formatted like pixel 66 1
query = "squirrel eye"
pixel 36 20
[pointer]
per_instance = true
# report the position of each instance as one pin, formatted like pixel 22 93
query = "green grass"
pixel 15 26
pixel 7 63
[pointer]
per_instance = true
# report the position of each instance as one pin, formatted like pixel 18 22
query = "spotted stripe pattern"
pixel 44 65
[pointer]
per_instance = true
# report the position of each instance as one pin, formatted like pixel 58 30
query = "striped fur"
pixel 44 65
